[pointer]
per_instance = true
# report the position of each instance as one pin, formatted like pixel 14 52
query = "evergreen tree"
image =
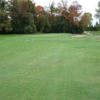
pixel 97 15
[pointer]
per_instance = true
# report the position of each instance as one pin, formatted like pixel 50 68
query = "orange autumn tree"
pixel 72 15
pixel 86 20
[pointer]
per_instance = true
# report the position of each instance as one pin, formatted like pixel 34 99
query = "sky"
pixel 87 5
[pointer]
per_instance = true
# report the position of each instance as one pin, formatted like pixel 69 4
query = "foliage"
pixel 86 21
pixel 97 15
pixel 22 16
pixel 5 25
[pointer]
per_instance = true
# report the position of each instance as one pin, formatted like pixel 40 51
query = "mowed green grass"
pixel 49 67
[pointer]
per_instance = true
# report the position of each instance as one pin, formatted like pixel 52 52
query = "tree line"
pixel 23 17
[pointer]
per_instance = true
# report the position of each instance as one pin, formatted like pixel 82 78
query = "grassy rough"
pixel 49 67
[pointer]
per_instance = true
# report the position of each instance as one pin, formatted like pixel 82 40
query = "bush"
pixel 30 29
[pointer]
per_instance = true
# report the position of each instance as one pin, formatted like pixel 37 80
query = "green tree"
pixel 5 24
pixel 21 12
pixel 97 15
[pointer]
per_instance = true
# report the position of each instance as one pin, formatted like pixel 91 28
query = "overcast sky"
pixel 88 5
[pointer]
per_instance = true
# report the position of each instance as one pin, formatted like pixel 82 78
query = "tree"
pixel 72 15
pixel 52 8
pixel 97 15
pixel 21 12
pixel 86 20
pixel 75 21
pixel 26 17
pixel 5 24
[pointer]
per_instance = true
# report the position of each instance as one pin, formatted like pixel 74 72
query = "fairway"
pixel 49 67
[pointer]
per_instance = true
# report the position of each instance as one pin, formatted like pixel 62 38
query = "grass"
pixel 49 67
